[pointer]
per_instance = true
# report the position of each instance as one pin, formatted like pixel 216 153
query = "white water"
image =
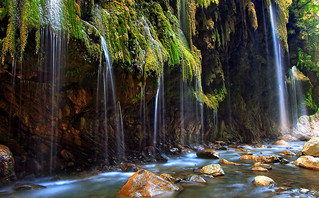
pixel 55 14
pixel 279 71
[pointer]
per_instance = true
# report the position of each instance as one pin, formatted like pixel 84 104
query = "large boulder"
pixel 147 184
pixel 308 162
pixel 212 169
pixel 7 173
pixel 263 180
pixel 208 154
pixel 311 147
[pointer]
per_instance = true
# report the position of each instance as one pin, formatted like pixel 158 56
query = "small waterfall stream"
pixel 279 64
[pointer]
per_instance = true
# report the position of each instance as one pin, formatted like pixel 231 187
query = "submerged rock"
pixel 263 180
pixel 147 184
pixel 259 169
pixel 7 173
pixel 27 186
pixel 208 154
pixel 212 169
pixel 223 161
pixel 281 143
pixel 311 147
pixel 308 162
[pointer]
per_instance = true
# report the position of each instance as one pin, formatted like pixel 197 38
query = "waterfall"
pixel 106 76
pixel 279 70
pixel 298 107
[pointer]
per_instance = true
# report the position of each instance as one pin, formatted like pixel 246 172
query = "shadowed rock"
pixel 7 173
pixel 208 154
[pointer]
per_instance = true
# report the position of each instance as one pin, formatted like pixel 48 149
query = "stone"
pixel 308 162
pixel 7 173
pixel 147 184
pixel 311 147
pixel 284 161
pixel 240 149
pixel 168 177
pixel 266 166
pixel 304 190
pixel 263 181
pixel 259 169
pixel 288 138
pixel 196 178
pixel 212 169
pixel 27 186
pixel 129 167
pixel 287 153
pixel 247 153
pixel 223 161
pixel 208 154
pixel 281 143
pixel 263 159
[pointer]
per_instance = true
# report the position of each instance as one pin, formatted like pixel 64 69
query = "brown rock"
pixel 147 184
pixel 263 159
pixel 223 161
pixel 240 149
pixel 259 169
pixel 266 166
pixel 247 153
pixel 263 180
pixel 7 173
pixel 311 147
pixel 168 177
pixel 129 167
pixel 67 155
pixel 212 169
pixel 287 153
pixel 281 143
pixel 208 154
pixel 308 162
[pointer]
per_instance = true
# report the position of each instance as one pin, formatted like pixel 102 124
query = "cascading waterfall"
pixel 109 89
pixel 279 70
pixel 159 109
pixel 298 107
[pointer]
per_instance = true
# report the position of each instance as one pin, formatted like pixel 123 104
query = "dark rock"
pixel 147 184
pixel 7 173
pixel 208 154
pixel 129 167
pixel 27 186
pixel 284 161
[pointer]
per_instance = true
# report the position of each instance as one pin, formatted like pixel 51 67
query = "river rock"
pixel 196 178
pixel 308 162
pixel 7 173
pixel 266 166
pixel 281 143
pixel 208 154
pixel 263 180
pixel 223 161
pixel 147 184
pixel 129 167
pixel 27 186
pixel 259 169
pixel 212 169
pixel 168 177
pixel 311 147
pixel 263 159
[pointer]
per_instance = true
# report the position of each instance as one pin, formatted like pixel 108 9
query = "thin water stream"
pixel 237 181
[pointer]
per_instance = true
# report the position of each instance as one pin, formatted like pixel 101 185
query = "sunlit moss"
pixel 252 15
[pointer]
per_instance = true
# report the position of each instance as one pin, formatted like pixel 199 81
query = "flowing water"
pixel 237 181
pixel 279 64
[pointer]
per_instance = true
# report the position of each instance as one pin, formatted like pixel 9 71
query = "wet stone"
pixel 208 154
pixel 196 178
pixel 263 181
pixel 212 169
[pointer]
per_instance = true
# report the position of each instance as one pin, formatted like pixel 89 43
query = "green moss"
pixel 252 15
pixel 206 3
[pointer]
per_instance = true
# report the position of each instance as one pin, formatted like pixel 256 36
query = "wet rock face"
pixel 212 169
pixel 147 184
pixel 7 173
pixel 311 147
pixel 208 154
pixel 308 162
